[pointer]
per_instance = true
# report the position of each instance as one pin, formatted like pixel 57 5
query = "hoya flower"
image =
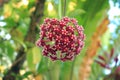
pixel 61 39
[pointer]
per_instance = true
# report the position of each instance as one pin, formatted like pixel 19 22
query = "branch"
pixel 2 2
pixel 30 37
pixel 35 18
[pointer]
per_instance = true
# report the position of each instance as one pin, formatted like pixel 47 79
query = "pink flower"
pixel 61 39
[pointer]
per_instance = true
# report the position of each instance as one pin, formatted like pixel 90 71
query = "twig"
pixel 19 59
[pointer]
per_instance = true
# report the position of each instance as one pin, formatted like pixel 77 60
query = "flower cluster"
pixel 61 39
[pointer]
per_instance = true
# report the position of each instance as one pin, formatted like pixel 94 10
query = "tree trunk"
pixel 30 38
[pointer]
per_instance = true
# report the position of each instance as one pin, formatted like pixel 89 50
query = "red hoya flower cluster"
pixel 61 39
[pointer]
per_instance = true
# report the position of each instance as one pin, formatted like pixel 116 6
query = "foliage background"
pixel 20 59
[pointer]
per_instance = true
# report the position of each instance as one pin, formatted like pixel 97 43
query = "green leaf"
pixel 36 55
pixel 76 12
pixel 33 58
pixel 10 51
pixel 27 74
pixel 31 66
pixel 43 65
pixel 106 38
pixel 17 34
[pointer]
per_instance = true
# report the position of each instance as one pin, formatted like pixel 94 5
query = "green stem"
pixel 64 8
pixel 48 69
pixel 72 68
pixel 49 75
pixel 60 9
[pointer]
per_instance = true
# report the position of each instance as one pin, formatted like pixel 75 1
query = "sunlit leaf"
pixel 36 55
pixel 30 63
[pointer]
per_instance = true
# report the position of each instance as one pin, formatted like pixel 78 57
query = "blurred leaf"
pixel 96 72
pixel 33 58
pixel 38 77
pixel 106 38
pixel 10 51
pixel 31 4
pixel 66 69
pixel 7 10
pixel 27 74
pixel 15 33
pixel 36 55
pixel 10 22
pixel 76 12
pixel 30 63
pixel 20 42
pixel 42 66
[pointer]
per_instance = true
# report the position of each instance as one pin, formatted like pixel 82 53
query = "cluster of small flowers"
pixel 61 39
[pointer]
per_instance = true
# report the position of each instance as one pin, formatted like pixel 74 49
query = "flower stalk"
pixel 60 9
